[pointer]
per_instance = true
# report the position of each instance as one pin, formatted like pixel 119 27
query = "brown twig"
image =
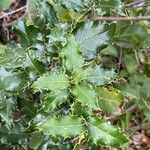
pixel 118 18
pixel 5 14
pixel 134 4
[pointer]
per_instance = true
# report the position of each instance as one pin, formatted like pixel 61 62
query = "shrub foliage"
pixel 69 74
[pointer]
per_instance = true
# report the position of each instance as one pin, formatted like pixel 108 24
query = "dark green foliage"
pixel 68 74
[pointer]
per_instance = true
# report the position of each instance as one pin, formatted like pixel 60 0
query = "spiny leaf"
pixel 12 57
pixel 49 13
pixel 101 131
pixel 77 5
pixel 13 81
pixel 78 109
pixel 39 11
pixel 72 58
pixel 53 100
pixel 109 100
pixel 57 35
pixel 6 106
pixel 65 14
pixel 80 74
pixel 108 7
pixel 90 37
pixel 66 126
pixel 86 95
pixel 14 136
pixel 53 80
pixel 99 76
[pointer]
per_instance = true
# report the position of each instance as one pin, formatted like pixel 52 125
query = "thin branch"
pixel 118 18
pixel 5 14
pixel 133 4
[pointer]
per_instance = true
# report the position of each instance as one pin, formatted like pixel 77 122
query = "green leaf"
pixel 131 63
pixel 15 136
pixel 54 99
pixel 109 100
pixel 65 14
pixel 104 7
pixel 90 37
pixel 86 95
pixel 53 80
pixel 145 106
pixel 13 56
pixel 6 106
pixel 110 50
pixel 78 109
pixel 101 131
pixel 39 11
pixel 32 9
pixel 72 58
pixel 99 76
pixel 2 49
pixel 13 81
pixel 80 74
pixel 49 13
pixel 57 35
pixel 29 34
pixel 36 140
pixel 131 35
pixel 77 5
pixel 4 4
pixel 66 126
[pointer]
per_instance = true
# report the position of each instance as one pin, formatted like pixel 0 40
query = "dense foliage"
pixel 69 76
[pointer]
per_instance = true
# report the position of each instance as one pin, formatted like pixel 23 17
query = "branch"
pixel 134 4
pixel 118 18
pixel 5 14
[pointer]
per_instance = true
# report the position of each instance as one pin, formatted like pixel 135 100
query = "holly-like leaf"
pixel 53 80
pixel 90 37
pixel 36 140
pixel 78 109
pixel 57 35
pixel 108 7
pixel 101 131
pixel 39 11
pixel 80 74
pixel 13 81
pixel 72 59
pixel 53 100
pixel 109 100
pixel 77 5
pixel 86 95
pixel 6 106
pixel 15 136
pixel 66 126
pixel 99 76
pixel 13 56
